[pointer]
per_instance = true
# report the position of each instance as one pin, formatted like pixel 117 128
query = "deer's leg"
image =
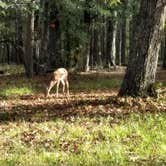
pixel 67 87
pixel 51 84
pixel 57 88
pixel 63 83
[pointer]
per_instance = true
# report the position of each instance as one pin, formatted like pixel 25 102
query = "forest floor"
pixel 91 127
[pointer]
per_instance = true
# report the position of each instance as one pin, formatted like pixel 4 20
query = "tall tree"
pixel 123 33
pixel 113 56
pixel 109 41
pixel 164 55
pixel 44 20
pixel 87 25
pixel 148 27
pixel 29 43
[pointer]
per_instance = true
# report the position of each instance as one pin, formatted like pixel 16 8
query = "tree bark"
pixel 29 43
pixel 87 49
pixel 95 46
pixel 87 24
pixel 119 44
pixel 44 19
pixel 123 32
pixel 113 55
pixel 164 58
pixel 123 42
pixel 68 46
pixel 143 57
pixel 54 45
pixel 103 41
pixel 109 41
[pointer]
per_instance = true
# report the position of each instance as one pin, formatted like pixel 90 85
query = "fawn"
pixel 58 76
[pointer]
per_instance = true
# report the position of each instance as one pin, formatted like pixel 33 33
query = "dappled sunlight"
pixel 97 103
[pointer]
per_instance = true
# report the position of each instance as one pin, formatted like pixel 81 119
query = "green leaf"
pixel 114 2
pixel 3 5
pixel 2 13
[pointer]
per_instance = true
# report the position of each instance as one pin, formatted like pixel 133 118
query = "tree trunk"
pixel 8 53
pixel 87 49
pixel 91 61
pixel 54 45
pixel 99 59
pixel 113 55
pixel 103 41
pixel 19 37
pixel 87 67
pixel 1 53
pixel 109 41
pixel 87 24
pixel 44 32
pixel 29 42
pixel 119 44
pixel 143 56
pixel 164 58
pixel 95 46
pixel 123 42
pixel 123 32
pixel 68 46
pixel 36 57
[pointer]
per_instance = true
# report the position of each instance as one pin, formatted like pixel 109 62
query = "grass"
pixel 138 139
pixel 12 68
pixel 78 138
pixel 95 84
pixel 14 91
pixel 20 85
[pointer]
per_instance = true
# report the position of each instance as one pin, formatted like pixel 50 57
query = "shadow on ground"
pixel 39 109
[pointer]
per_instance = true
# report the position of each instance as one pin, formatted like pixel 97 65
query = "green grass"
pixel 12 68
pixel 97 83
pixel 14 91
pixel 134 140
pixel 19 85
pixel 23 86
pixel 110 140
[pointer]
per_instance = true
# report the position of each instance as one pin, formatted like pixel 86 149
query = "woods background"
pixel 76 34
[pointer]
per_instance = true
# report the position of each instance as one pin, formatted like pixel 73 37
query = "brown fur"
pixel 58 76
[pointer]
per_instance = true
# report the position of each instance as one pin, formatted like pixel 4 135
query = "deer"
pixel 58 76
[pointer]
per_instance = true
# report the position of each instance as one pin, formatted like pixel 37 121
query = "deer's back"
pixel 60 73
